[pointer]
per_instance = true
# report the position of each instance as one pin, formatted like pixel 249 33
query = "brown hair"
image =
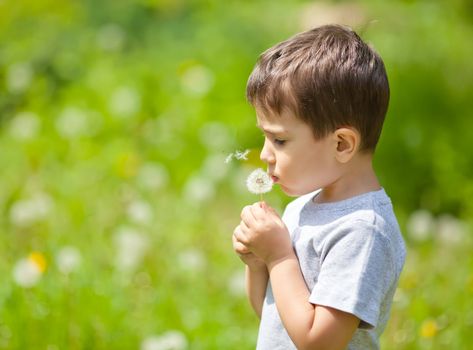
pixel 329 78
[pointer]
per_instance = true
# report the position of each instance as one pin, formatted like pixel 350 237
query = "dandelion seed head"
pixel 259 182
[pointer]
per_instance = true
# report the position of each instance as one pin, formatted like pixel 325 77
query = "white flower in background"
pixel 197 80
pixel 199 189
pixel 19 77
pixel 259 182
pixel 215 136
pixel 170 340
pixel 153 176
pixel 28 211
pixel 237 284
pixel 111 37
pixel 192 259
pixel 131 247
pixel 450 229
pixel 420 225
pixel 212 167
pixel 24 126
pixel 68 259
pixel 124 102
pixel 27 272
pixel 72 122
pixel 140 212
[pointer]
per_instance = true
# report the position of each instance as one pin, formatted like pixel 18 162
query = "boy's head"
pixel 327 77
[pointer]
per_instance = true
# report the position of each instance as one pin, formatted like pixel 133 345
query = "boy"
pixel 323 276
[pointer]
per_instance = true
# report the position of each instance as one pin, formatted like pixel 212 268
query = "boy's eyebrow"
pixel 269 130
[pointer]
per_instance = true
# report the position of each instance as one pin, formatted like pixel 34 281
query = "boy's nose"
pixel 266 154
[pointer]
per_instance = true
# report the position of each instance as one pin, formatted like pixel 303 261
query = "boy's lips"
pixel 274 178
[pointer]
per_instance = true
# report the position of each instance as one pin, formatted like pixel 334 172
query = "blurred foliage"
pixel 115 121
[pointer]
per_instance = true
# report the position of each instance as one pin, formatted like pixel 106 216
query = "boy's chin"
pixel 291 192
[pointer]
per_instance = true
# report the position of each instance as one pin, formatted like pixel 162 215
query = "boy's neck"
pixel 357 177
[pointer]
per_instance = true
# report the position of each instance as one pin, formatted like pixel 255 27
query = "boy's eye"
pixel 279 142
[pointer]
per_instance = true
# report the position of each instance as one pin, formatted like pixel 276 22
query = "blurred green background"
pixel 117 206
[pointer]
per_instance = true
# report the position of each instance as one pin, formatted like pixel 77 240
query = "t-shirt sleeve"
pixel 356 272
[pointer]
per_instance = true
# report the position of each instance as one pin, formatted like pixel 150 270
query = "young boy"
pixel 323 276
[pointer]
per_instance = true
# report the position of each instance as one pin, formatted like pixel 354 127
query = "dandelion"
pixel 259 182
pixel 420 225
pixel 125 102
pixel 25 126
pixel 39 260
pixel 68 259
pixel 72 123
pixel 192 260
pixel 197 80
pixel 153 176
pixel 140 212
pixel 171 340
pixel 199 189
pixel 236 283
pixel 131 246
pixel 27 271
pixel 429 328
pixel 28 211
pixel 19 77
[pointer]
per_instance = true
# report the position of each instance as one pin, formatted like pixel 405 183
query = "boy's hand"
pixel 262 232
pixel 251 260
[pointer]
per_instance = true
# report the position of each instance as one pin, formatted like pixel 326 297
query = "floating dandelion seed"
pixel 242 155
pixel 229 158
pixel 238 155
pixel 259 182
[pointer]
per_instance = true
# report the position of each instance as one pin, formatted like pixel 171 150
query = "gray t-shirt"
pixel 351 254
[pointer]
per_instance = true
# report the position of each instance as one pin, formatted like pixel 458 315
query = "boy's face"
pixel 296 160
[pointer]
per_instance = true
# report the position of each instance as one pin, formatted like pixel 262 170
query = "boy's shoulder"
pixel 371 210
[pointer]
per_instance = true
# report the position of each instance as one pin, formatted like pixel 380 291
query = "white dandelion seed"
pixel 228 159
pixel 259 182
pixel 242 155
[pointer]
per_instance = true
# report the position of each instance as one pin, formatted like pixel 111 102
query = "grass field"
pixel 117 204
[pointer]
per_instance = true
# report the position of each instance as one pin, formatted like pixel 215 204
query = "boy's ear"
pixel 348 141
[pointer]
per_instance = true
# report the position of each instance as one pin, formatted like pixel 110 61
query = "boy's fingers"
pixel 247 216
pixel 244 227
pixel 239 236
pixel 261 210
pixel 240 248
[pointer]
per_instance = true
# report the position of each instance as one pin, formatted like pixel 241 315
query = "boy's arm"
pixel 256 283
pixel 256 275
pixel 309 326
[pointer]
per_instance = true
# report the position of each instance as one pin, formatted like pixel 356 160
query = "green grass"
pixel 116 117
